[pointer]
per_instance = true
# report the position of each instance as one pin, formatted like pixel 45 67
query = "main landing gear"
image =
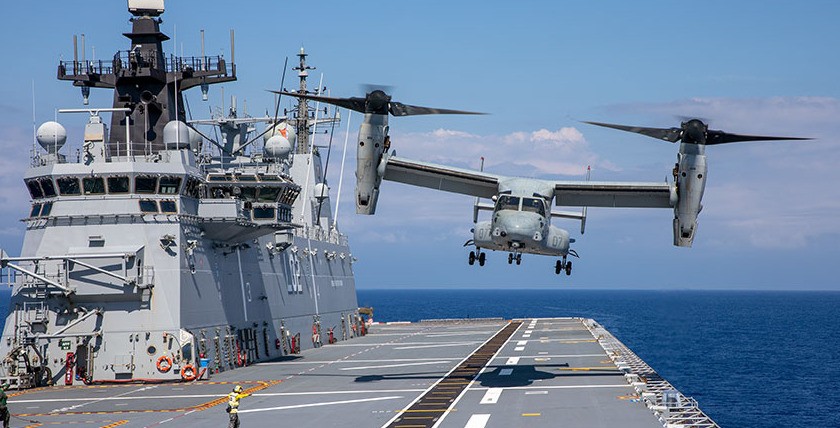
pixel 563 265
pixel 512 257
pixel 480 257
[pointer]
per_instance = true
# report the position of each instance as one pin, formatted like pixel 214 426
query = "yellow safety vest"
pixel 233 401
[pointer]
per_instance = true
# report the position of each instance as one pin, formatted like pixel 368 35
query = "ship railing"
pixel 318 233
pixel 199 63
pixel 85 68
pixel 31 272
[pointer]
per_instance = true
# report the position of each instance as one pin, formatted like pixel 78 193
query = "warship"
pixel 157 272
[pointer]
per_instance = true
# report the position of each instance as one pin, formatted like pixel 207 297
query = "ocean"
pixel 750 358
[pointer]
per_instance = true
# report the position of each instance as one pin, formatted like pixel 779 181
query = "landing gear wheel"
pixel 510 258
pixel 481 259
pixel 472 258
pixel 518 258
pixel 568 268
pixel 558 267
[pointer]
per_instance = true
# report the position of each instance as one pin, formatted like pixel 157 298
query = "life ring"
pixel 188 373
pixel 164 363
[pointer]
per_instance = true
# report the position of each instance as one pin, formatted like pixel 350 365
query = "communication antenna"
pixel 341 174
pixel 277 99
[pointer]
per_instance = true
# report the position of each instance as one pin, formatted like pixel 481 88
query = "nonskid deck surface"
pixel 540 372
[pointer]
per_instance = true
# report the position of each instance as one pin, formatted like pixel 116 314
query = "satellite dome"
pixel 321 191
pixel 51 136
pixel 176 135
pixel 284 130
pixel 278 147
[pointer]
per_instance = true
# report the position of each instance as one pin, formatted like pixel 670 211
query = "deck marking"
pixel 396 365
pixel 522 343
pixel 535 392
pixel 529 331
pixel 491 396
pixel 512 361
pixel 505 372
pixel 519 348
pixel 532 414
pixel 437 345
pixel 326 403
pixel 477 421
pixel 541 387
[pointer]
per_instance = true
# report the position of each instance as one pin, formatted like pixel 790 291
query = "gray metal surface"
pixel 550 372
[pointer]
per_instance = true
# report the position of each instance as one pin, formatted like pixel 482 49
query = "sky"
pixel 771 217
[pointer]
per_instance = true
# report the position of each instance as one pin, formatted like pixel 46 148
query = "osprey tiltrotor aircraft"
pixel 521 209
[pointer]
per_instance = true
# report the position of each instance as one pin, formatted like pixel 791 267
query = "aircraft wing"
pixel 440 177
pixel 614 194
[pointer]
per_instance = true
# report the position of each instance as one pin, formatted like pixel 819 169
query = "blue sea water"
pixel 750 358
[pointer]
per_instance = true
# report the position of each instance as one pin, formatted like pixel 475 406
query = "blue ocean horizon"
pixel 750 358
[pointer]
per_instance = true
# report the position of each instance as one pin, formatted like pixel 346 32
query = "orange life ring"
pixel 188 373
pixel 164 363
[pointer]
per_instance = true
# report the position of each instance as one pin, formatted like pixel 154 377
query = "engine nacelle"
pixel 373 142
pixel 691 183
pixel 558 240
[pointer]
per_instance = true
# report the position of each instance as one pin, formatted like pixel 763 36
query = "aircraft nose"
pixel 518 226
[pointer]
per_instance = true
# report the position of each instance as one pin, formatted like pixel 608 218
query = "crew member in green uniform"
pixel 4 409
pixel 233 406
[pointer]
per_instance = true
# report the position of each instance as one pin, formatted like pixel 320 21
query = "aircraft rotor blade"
pixel 720 137
pixel 668 134
pixel 400 109
pixel 354 103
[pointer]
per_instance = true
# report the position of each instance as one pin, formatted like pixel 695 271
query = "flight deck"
pixel 439 373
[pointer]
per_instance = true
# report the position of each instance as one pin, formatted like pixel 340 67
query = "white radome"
pixel 278 147
pixel 321 191
pixel 284 130
pixel 176 135
pixel 51 136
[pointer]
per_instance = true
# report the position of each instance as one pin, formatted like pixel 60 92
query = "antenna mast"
pixel 302 122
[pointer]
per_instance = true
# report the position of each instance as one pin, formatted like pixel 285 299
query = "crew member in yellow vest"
pixel 233 405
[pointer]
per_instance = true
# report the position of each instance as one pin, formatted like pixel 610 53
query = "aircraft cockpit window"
pixel 69 186
pixel 533 205
pixel 508 203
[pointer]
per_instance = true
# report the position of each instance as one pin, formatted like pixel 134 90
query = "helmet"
pixel 237 389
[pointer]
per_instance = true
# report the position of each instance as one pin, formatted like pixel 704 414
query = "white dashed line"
pixel 477 421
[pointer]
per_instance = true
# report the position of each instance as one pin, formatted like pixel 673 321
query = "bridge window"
pixel 48 187
pixel 168 206
pixel 192 189
pixel 507 202
pixel 169 185
pixel 46 209
pixel 264 212
pixel 248 193
pixel 94 185
pixel 118 185
pixel 269 194
pixel 36 210
pixel 533 205
pixel 69 186
pixel 34 189
pixel 145 184
pixel 148 206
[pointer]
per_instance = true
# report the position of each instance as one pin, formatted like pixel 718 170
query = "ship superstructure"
pixel 148 256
